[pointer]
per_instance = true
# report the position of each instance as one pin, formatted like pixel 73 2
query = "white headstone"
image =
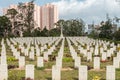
pixel 29 72
pixel 26 52
pixel 59 62
pixel 40 62
pixel 83 74
pixel 21 62
pixel 89 56
pixel 116 62
pixel 37 52
pixel 108 53
pixel 17 55
pixel 96 62
pixel 45 56
pixel 110 73
pixel 96 50
pixel 104 56
pixel 77 62
pixel 56 73
pixel 31 55
pixel 3 72
pixel 3 60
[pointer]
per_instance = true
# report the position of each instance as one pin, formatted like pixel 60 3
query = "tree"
pixel 45 32
pixel 5 26
pixel 26 15
pixel 72 27
pixel 93 34
pixel 106 30
pixel 55 32
pixel 117 35
pixel 11 14
pixel 60 23
pixel 36 32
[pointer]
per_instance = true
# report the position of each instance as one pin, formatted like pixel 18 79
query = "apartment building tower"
pixel 44 16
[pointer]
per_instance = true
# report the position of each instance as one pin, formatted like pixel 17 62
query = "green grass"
pixel 65 75
pixel 16 74
pixel 45 72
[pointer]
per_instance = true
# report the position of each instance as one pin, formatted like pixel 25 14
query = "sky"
pixel 88 10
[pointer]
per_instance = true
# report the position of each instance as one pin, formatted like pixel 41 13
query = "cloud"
pixel 88 10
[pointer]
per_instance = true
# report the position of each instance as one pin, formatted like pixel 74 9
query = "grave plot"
pixel 50 49
pixel 92 54
pixel 55 58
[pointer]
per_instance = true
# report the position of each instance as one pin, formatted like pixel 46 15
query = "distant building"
pixel 44 16
pixel 90 28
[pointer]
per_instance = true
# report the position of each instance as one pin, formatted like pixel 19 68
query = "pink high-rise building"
pixel 37 16
pixel 44 16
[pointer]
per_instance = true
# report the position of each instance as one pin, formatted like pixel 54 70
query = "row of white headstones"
pixel 104 51
pixel 31 54
pixel 56 69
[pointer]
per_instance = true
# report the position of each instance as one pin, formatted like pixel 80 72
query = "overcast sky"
pixel 88 10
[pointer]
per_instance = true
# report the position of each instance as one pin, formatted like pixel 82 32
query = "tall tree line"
pixel 106 31
pixel 20 22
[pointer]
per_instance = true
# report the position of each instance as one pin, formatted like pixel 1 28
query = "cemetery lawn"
pixel 68 71
pixel 65 75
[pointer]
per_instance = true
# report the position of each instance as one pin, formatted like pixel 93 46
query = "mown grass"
pixel 65 75
pixel 68 62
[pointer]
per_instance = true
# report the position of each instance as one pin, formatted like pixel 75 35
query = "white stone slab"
pixel 77 62
pixel 83 73
pixel 56 73
pixel 3 72
pixel 110 73
pixel 40 62
pixel 104 56
pixel 29 72
pixel 116 62
pixel 21 62
pixel 96 62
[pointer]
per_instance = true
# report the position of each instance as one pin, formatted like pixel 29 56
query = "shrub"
pixel 11 58
pixel 96 78
pixel 67 59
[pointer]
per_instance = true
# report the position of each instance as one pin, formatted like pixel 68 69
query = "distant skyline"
pixel 88 10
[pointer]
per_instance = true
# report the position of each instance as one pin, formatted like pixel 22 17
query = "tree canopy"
pixel 5 26
pixel 73 27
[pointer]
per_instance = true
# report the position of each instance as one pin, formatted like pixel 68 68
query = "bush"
pixel 11 58
pixel 96 78
pixel 117 35
pixel 67 59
